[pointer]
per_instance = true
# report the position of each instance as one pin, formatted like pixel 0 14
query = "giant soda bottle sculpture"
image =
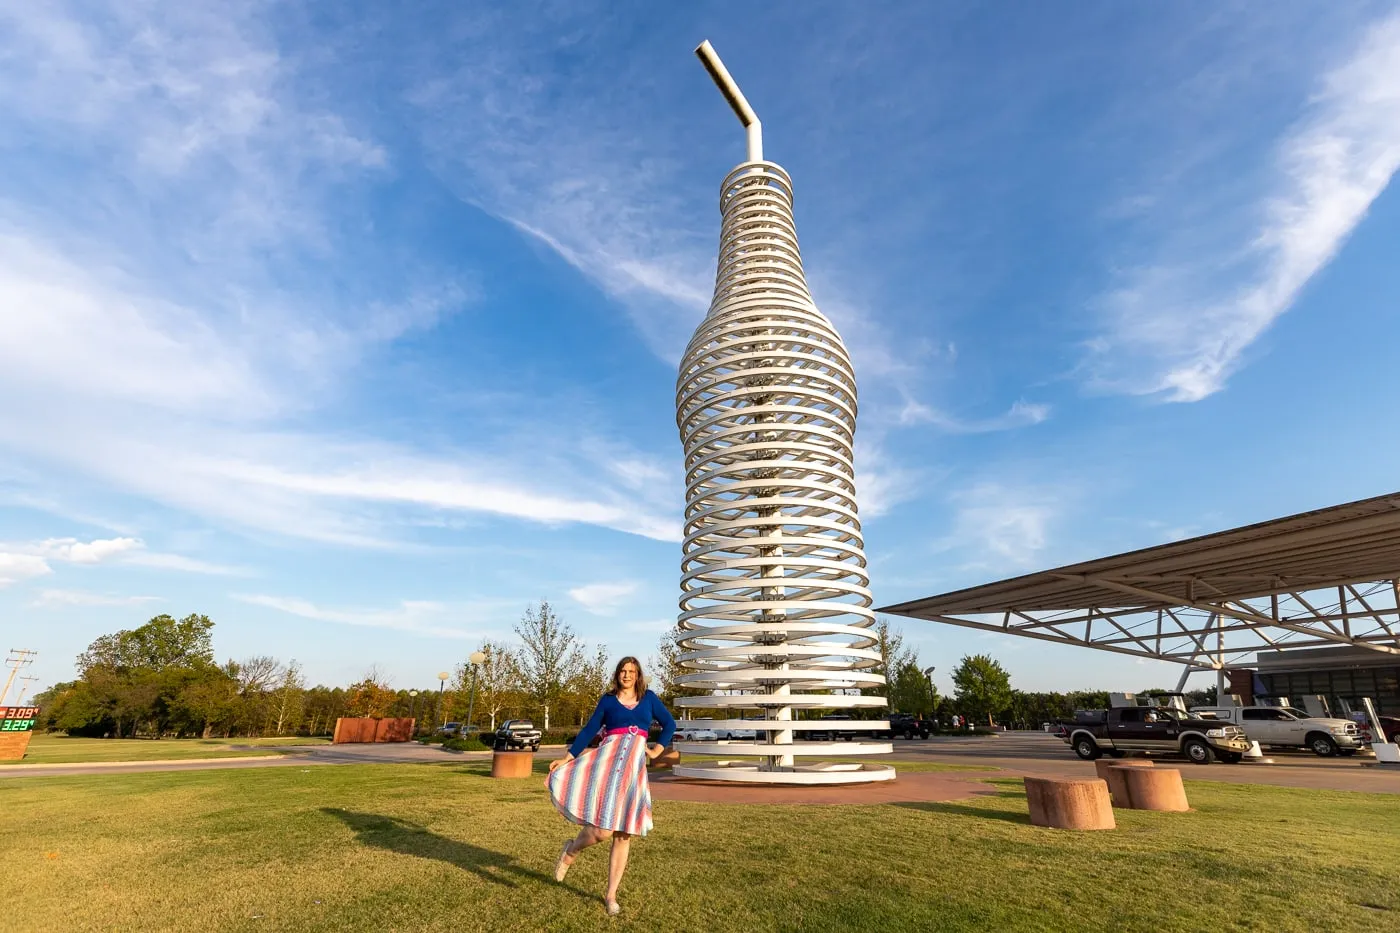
pixel 775 605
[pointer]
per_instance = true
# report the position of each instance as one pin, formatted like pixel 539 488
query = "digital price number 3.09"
pixel 18 718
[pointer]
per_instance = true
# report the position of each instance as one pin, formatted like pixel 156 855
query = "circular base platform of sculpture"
pixel 910 787
pixel 512 764
pixel 823 773
pixel 823 749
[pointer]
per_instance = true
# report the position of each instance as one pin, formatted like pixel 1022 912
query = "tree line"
pixel 161 679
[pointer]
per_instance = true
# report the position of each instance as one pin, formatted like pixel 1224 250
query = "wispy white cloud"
pixel 192 103
pixel 183 564
pixel 603 598
pixel 50 598
pixel 1003 526
pixel 613 185
pixel 16 568
pixel 421 617
pixel 120 551
pixel 163 354
pixel 1021 414
pixel 1184 324
pixel 88 552
pixel 881 481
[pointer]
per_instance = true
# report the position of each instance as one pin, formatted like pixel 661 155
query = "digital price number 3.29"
pixel 18 718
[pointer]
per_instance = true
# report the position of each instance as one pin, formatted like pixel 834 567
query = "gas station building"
pixel 1305 606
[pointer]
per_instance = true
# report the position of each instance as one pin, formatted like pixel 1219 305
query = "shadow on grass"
pixel 956 809
pixel 405 838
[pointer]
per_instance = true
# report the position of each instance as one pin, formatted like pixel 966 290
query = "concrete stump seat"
pixel 1061 803
pixel 1112 772
pixel 512 764
pixel 667 759
pixel 1155 789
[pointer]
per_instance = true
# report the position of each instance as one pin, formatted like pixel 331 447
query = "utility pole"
pixel 25 681
pixel 18 658
pixel 476 658
pixel 442 681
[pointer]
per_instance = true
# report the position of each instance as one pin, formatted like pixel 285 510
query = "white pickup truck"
pixel 1288 726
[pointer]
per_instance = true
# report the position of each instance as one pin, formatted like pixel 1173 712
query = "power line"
pixel 17 658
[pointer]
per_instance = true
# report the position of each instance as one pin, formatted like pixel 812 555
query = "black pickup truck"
pixel 1095 733
pixel 909 725
pixel 517 734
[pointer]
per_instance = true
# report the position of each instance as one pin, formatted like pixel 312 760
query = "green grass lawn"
pixel 60 749
pixel 444 847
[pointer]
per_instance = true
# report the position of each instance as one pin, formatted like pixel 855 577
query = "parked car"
pixel 1117 731
pixel 685 732
pixel 828 735
pixel 726 734
pixel 515 734
pixel 908 725
pixel 459 730
pixel 1284 726
pixel 760 734
pixel 1391 727
pixel 867 729
pixel 722 733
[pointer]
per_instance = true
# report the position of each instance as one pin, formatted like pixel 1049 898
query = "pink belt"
pixel 625 730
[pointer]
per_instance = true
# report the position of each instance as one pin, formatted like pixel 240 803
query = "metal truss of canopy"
pixel 1328 577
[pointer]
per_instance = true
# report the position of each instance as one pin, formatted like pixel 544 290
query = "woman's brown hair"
pixel 615 685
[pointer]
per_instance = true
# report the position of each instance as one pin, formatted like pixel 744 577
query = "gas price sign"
pixel 17 718
pixel 16 726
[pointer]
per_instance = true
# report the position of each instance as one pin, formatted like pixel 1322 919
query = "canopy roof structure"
pixel 1328 577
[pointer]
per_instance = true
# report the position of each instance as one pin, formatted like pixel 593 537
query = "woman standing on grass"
pixel 605 789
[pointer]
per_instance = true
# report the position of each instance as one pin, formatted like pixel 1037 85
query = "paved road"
pixel 1040 754
pixel 1031 753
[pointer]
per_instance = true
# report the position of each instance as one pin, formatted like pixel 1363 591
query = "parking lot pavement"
pixel 1042 755
pixel 1033 753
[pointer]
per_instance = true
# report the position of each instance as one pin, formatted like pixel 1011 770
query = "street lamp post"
pixel 928 675
pixel 413 694
pixel 442 682
pixel 476 658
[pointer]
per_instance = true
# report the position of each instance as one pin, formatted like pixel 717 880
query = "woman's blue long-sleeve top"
pixel 611 714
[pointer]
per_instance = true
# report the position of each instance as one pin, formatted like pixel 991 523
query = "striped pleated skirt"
pixel 606 786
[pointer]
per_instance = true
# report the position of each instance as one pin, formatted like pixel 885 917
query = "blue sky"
pixel 358 333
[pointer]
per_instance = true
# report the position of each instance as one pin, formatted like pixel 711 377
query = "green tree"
pixel 498 683
pixel 210 699
pixel 589 683
pixel 161 643
pixel 911 690
pixel 291 693
pixel 550 656
pixel 893 655
pixel 664 668
pixel 323 706
pixel 370 697
pixel 983 687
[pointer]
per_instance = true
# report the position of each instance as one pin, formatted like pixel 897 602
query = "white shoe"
pixel 561 867
pixel 614 908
